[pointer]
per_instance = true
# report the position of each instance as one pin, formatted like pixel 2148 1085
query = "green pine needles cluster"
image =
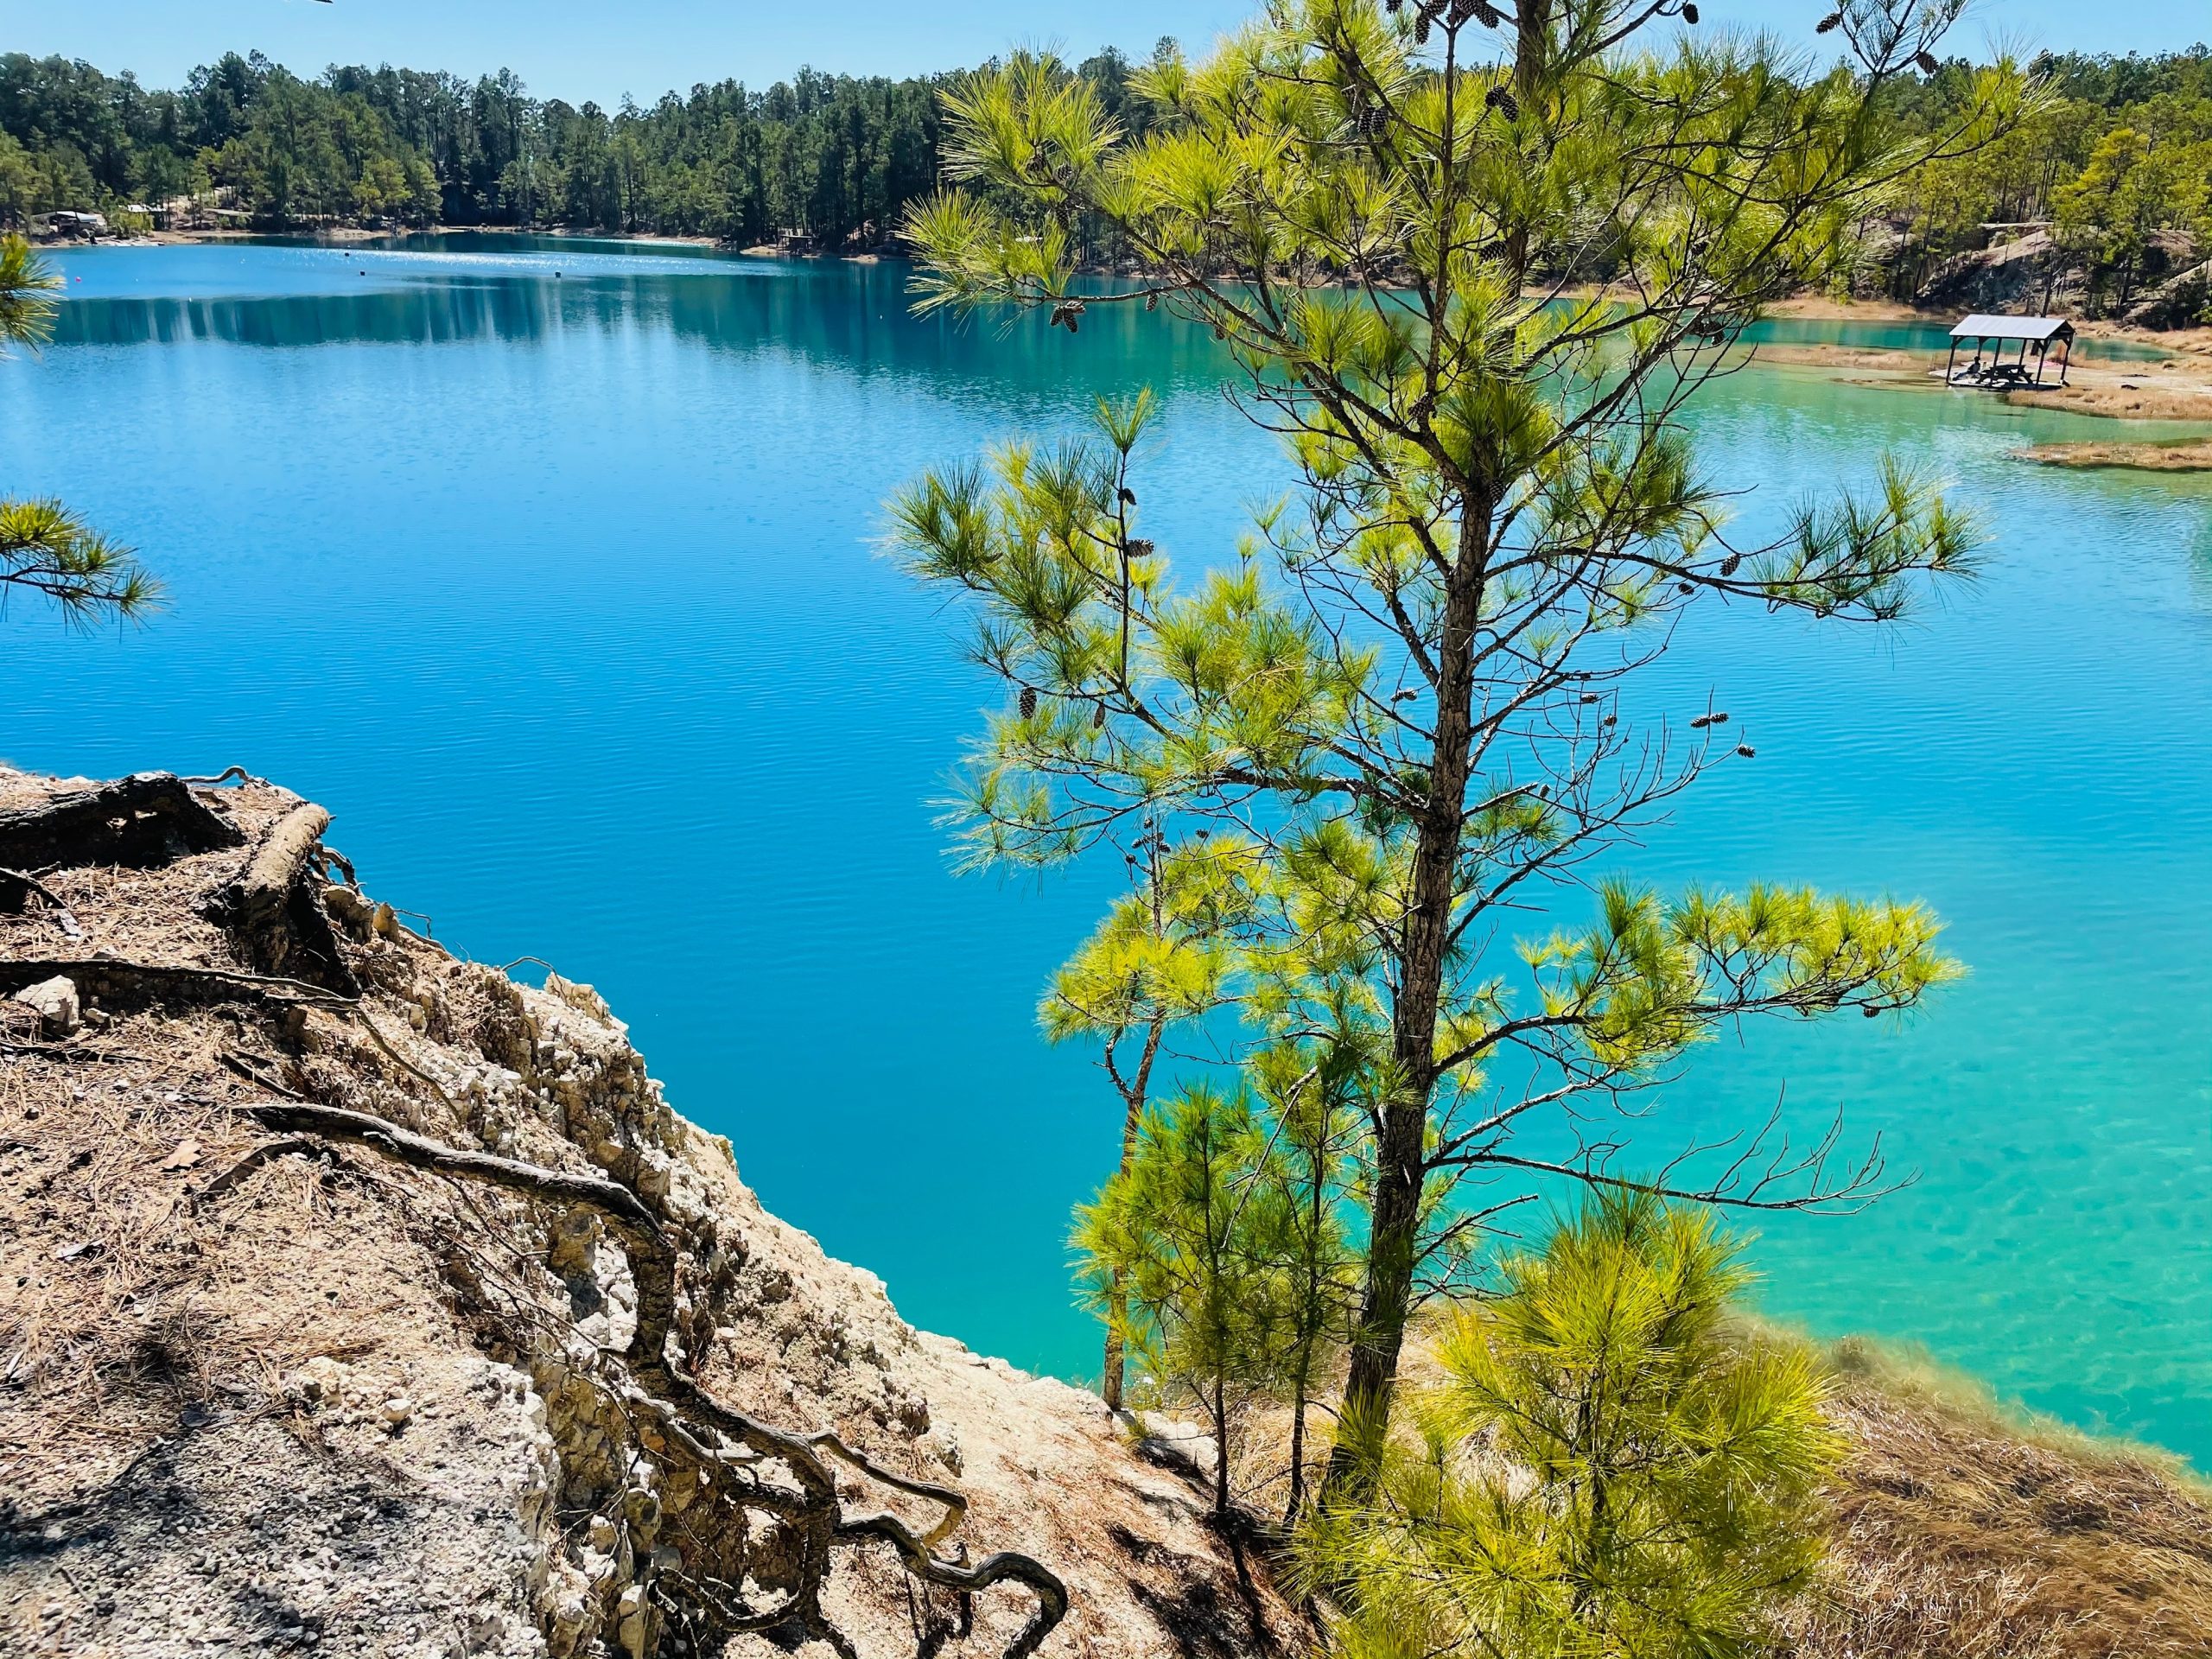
pixel 44 548
pixel 1607 1467
pixel 1378 773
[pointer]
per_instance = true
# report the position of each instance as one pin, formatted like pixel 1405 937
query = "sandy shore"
pixel 2175 387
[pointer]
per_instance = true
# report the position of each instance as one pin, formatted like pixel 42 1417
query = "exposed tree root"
pixel 148 818
pixel 124 984
pixel 693 1417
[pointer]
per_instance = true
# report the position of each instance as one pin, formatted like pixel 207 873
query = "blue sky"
pixel 572 49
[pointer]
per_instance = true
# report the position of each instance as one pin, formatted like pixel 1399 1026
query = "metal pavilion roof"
pixel 1982 326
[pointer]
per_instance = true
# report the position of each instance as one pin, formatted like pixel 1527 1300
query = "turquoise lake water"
pixel 558 590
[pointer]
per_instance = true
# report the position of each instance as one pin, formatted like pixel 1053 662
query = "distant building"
pixel 69 222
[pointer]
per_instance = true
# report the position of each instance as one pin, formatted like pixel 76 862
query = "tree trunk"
pixel 1220 1444
pixel 1132 1099
pixel 1116 1363
pixel 1394 1225
pixel 1393 1228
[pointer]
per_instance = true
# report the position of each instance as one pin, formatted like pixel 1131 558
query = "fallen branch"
pixel 75 1051
pixel 256 897
pixel 268 1152
pixel 149 818
pixel 276 911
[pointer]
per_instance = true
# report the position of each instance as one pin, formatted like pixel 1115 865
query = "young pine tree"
pixel 1305 1182
pixel 1161 956
pixel 1179 1251
pixel 44 548
pixel 1606 1470
pixel 1476 268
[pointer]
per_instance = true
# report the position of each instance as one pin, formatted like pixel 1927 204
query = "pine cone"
pixel 1689 12
pixel 1499 99
pixel 1099 717
pixel 1832 20
pixel 1028 701
pixel 1926 59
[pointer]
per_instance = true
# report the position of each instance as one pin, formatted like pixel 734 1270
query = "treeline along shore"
pixel 246 143
pixel 2099 204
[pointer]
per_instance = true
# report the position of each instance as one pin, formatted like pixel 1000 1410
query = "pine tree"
pixel 45 549
pixel 1607 1470
pixel 1161 956
pixel 1176 1254
pixel 1476 270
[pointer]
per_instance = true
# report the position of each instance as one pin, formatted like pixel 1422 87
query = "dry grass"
pixel 2161 391
pixel 1966 1531
pixel 2153 457
pixel 126 1303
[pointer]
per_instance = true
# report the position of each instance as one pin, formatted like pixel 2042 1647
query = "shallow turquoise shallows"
pixel 548 567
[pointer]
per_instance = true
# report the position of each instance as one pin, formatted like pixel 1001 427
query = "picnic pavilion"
pixel 1998 336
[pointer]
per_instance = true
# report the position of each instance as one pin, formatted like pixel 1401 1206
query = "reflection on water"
pixel 837 311
pixel 532 577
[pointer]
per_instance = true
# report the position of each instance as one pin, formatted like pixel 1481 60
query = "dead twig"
pixel 266 1152
pixel 64 918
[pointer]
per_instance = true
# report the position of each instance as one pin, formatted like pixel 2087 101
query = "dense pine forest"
pixel 830 155
pixel 2113 172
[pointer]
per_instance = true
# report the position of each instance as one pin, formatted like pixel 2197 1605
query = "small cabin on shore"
pixel 1995 337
